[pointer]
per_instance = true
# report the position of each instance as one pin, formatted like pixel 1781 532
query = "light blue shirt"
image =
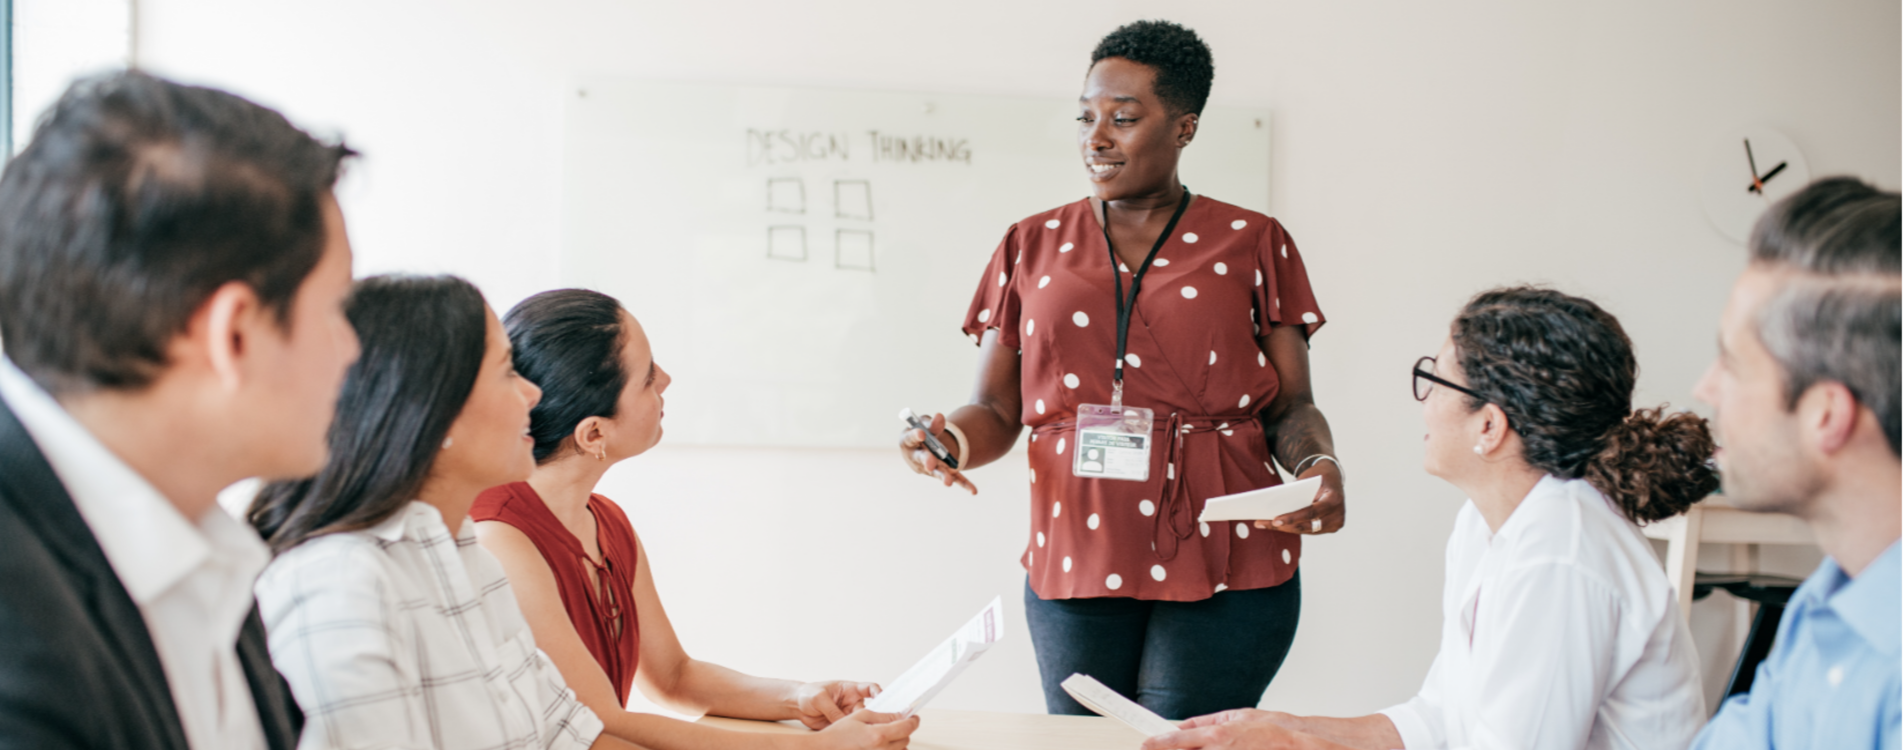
pixel 1832 678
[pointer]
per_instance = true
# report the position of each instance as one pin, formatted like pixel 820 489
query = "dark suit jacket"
pixel 77 667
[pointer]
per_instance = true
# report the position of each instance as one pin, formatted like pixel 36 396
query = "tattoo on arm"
pixel 1300 431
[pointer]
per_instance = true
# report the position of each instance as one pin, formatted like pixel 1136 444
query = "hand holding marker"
pixel 940 463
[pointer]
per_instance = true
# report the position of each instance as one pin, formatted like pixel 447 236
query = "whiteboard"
pixel 802 258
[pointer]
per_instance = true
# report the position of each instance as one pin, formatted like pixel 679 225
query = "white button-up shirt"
pixel 191 579
pixel 400 636
pixel 1558 632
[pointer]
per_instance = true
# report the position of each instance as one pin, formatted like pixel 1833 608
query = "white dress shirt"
pixel 190 579
pixel 1559 632
pixel 400 636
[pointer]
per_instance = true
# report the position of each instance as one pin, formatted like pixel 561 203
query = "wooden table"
pixel 987 730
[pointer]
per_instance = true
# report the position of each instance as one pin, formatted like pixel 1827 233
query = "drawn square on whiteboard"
pixel 853 250
pixel 852 199
pixel 786 195
pixel 786 243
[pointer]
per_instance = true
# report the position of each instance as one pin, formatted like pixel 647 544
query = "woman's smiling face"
pixel 1130 140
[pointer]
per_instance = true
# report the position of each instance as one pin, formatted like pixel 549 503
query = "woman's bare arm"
pixel 1297 431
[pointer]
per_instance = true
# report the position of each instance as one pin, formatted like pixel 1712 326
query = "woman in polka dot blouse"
pixel 1123 583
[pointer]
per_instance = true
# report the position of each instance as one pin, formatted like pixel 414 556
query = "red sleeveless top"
pixel 599 598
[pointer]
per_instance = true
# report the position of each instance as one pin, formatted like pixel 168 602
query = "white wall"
pixel 1423 151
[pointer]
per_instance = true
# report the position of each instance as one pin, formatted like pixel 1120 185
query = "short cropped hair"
pixel 135 200
pixel 1184 68
pixel 1841 317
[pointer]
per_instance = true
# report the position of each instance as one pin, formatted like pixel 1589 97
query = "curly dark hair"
pixel 1183 65
pixel 1562 370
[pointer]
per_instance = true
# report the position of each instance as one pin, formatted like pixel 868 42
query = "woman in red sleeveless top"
pixel 580 572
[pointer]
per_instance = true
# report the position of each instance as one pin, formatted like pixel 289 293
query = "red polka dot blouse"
pixel 1227 275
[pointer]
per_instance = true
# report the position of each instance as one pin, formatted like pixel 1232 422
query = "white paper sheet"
pixel 912 690
pixel 1100 698
pixel 1262 504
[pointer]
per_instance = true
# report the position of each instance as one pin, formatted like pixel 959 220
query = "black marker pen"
pixel 931 442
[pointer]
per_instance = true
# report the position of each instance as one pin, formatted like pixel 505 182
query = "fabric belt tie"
pixel 1175 519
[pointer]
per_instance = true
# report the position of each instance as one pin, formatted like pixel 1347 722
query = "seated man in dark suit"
pixel 172 272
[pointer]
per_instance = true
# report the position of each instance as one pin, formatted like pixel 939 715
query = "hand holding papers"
pixel 1097 697
pixel 912 690
pixel 1262 504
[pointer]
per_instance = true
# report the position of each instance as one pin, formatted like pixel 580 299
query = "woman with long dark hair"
pixel 1559 630
pixel 392 626
pixel 580 570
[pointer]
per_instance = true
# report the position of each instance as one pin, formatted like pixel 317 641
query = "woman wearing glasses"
pixel 1558 628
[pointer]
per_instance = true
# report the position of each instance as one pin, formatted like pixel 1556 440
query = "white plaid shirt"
pixel 399 636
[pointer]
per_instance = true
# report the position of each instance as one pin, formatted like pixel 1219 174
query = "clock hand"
pixel 1757 185
pixel 1773 173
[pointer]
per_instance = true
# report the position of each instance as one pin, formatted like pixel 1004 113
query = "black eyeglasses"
pixel 1424 370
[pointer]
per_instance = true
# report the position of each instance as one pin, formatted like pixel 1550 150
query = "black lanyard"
pixel 1136 283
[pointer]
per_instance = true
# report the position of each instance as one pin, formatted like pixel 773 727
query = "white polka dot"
pixel 1245 402
pixel 1133 360
pixel 1286 557
pixel 1238 224
pixel 1043 282
pixel 1067 563
pixel 1191 238
pixel 984 315
pixel 1092 521
pixel 1034 471
pixel 1189 292
pixel 1309 317
pixel 1284 249
pixel 1040 406
pixel 1065 248
pixel 1060 446
pixel 1222 269
pixel 1229 433
pixel 1205 529
pixel 1123 268
pixel 1157 572
pixel 1002 278
pixel 1070 380
pixel 1029 326
pixel 1223 426
pixel 1019 259
pixel 1221 587
pixel 1278 303
pixel 1057 509
pixel 1040 539
pixel 1242 530
pixel 1052 224
pixel 1261 359
pixel 1212 356
pixel 1258 277
pixel 1835 675
pixel 1170 469
pixel 1114 582
pixel 1161 262
pixel 1080 319
pixel 1146 507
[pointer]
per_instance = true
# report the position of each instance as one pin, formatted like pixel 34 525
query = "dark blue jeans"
pixel 1179 659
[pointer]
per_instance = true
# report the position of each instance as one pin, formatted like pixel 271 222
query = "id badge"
pixel 1113 442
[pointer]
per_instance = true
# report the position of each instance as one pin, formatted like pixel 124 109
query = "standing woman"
pixel 1124 584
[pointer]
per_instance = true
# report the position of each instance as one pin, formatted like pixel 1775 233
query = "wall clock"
pixel 1745 173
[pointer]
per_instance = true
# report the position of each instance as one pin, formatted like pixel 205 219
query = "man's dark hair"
pixel 1840 318
pixel 569 343
pixel 423 341
pixel 135 200
pixel 1183 65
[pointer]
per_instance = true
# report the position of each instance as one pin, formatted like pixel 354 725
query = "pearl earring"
pixel 448 441
pixel 1478 450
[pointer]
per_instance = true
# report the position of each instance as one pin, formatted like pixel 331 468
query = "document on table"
pixel 1262 504
pixel 1100 698
pixel 912 690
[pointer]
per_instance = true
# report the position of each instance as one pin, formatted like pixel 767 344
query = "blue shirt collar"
pixel 1871 603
